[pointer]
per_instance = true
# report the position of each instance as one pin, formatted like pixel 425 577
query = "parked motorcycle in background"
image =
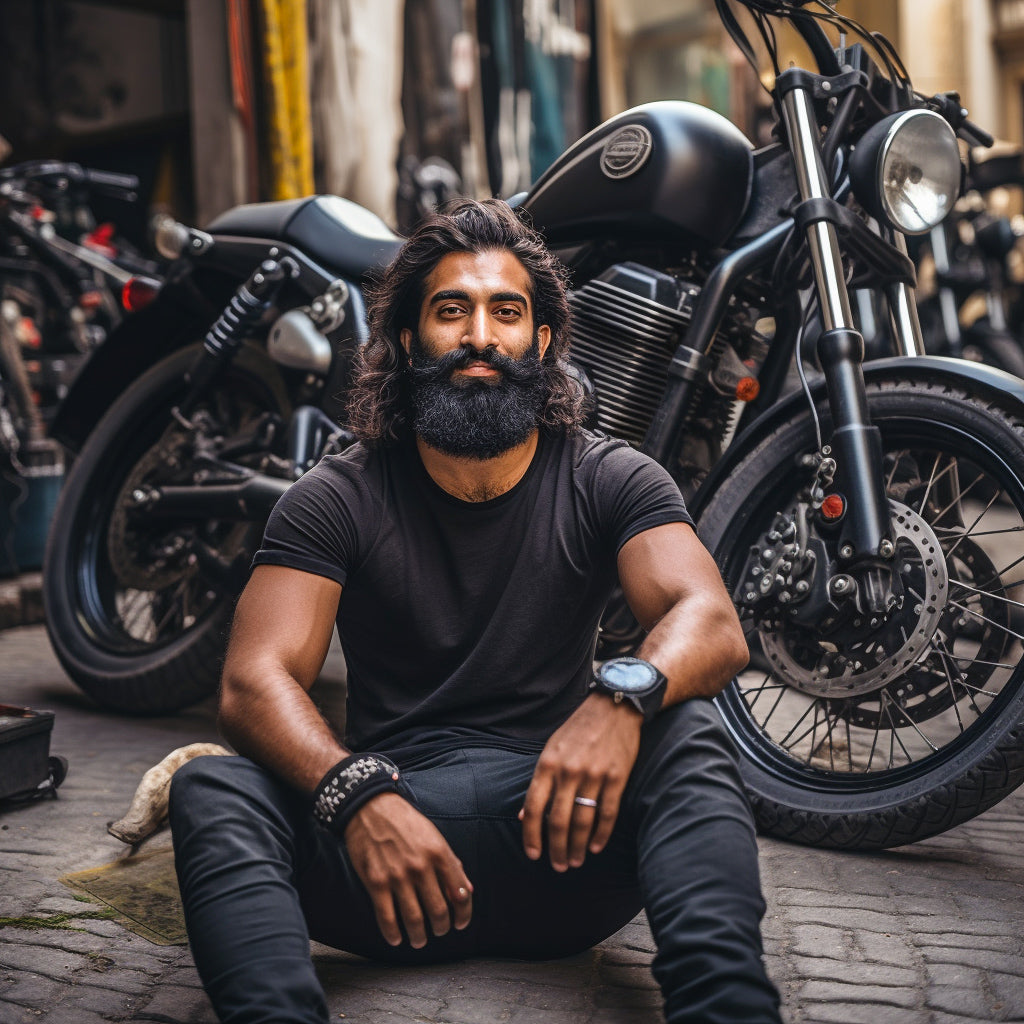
pixel 61 278
pixel 968 309
pixel 860 523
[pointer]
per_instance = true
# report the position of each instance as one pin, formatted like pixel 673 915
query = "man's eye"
pixel 508 311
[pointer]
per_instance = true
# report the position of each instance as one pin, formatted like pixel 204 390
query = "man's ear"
pixel 543 339
pixel 405 337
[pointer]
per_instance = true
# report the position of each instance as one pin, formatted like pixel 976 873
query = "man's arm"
pixel 279 640
pixel 693 637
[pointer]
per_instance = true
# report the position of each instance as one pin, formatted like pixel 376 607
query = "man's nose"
pixel 478 331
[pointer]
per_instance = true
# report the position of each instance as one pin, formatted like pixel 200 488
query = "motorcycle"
pixel 61 280
pixel 970 254
pixel 860 521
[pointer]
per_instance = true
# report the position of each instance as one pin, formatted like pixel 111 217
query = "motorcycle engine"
pixel 626 325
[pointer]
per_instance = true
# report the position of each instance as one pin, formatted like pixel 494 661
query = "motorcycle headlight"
pixel 907 170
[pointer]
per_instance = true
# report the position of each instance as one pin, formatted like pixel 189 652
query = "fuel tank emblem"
pixel 626 151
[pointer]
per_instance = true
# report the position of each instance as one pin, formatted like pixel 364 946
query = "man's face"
pixel 476 379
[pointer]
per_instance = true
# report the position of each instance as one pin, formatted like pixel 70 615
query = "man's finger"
pixel 461 899
pixel 607 815
pixel 387 919
pixel 432 899
pixel 532 814
pixel 584 816
pixel 407 901
pixel 559 819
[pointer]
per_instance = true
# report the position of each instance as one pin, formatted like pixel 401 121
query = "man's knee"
pixel 688 758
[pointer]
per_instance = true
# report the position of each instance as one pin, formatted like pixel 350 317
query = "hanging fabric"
pixel 286 75
pixel 356 59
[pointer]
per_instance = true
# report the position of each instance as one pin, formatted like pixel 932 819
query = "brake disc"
pixel 882 652
pixel 930 687
pixel 142 551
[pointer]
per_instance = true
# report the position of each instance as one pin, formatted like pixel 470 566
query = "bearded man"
pixel 493 794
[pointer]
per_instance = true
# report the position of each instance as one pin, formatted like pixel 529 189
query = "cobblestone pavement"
pixel 929 934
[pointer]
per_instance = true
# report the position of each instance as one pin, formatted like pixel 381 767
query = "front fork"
pixel 865 546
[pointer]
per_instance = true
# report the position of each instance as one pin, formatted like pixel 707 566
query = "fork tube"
pixel 946 296
pixel 906 327
pixel 857 444
pixel 821 236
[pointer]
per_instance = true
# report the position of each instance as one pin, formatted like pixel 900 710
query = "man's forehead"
pixel 493 272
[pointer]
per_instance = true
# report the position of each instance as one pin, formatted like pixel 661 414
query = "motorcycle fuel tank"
pixel 660 170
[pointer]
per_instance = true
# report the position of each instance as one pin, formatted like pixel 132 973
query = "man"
pixel 492 797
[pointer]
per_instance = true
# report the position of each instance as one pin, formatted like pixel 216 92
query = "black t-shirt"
pixel 468 622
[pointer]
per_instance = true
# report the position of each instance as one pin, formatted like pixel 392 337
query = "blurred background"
pixel 218 102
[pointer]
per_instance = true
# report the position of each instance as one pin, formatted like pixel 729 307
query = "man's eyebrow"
pixel 447 294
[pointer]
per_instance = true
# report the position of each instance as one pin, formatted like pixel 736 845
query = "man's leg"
pixel 697 864
pixel 238 839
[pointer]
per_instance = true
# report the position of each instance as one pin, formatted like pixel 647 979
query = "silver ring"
pixel 585 801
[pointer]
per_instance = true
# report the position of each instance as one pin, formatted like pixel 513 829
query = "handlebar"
pixel 59 176
pixel 949 106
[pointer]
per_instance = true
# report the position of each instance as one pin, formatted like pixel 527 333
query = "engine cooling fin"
pixel 626 325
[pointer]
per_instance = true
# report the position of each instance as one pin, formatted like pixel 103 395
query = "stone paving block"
pixel 853 901
pixel 943 925
pixel 957 940
pixel 943 957
pixel 957 998
pixel 618 976
pixel 820 941
pixel 31 990
pixel 844 917
pixel 822 991
pixel 631 998
pixel 860 1013
pixel 868 975
pixel 173 1002
pixel 620 1016
pixel 887 948
pixel 1008 990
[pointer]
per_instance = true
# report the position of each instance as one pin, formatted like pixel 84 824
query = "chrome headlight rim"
pixel 871 162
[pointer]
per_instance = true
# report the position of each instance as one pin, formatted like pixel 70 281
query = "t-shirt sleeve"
pixel 634 493
pixel 313 526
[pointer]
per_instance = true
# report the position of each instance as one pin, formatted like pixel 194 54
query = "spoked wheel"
pixel 138 605
pixel 880 729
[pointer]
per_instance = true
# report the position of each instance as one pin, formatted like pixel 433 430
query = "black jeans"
pixel 258 878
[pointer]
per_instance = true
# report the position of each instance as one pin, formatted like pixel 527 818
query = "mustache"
pixel 425 369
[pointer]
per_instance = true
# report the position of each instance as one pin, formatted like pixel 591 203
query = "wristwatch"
pixel 633 680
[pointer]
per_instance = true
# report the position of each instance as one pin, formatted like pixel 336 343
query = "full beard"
pixel 471 418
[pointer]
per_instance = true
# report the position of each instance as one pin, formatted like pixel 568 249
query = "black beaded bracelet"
pixel 349 784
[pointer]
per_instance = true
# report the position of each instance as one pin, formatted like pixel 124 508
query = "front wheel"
pixel 137 607
pixel 880 729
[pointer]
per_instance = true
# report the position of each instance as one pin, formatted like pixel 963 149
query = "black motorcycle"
pixel 867 523
pixel 970 256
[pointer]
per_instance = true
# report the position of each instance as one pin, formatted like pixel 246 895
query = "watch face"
pixel 628 675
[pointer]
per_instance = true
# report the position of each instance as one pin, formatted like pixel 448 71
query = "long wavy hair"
pixel 379 403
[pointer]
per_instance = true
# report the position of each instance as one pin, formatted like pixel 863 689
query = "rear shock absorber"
pixel 225 336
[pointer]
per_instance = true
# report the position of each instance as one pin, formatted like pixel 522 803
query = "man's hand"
pixel 408 869
pixel 590 756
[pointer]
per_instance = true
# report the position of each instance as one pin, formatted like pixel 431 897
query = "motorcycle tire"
pixel 135 617
pixel 916 738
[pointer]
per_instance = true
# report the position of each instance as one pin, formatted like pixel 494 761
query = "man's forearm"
pixel 699 646
pixel 276 724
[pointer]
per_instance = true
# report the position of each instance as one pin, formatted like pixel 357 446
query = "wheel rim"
pixel 139 585
pixel 905 727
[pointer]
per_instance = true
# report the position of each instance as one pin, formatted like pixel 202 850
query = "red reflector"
pixel 833 506
pixel 90 300
pixel 747 389
pixel 27 333
pixel 138 293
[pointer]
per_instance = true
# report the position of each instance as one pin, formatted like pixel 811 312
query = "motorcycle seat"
pixel 332 231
